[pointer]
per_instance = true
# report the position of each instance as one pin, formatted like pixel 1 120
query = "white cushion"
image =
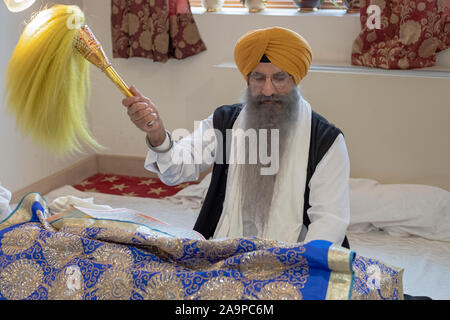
pixel 400 209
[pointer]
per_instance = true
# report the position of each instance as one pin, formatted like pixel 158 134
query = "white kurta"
pixel 329 213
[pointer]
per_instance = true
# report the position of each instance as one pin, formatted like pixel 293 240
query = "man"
pixel 306 197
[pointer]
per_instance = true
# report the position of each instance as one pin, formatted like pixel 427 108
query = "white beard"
pixel 258 188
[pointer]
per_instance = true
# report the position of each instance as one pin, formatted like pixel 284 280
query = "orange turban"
pixel 286 49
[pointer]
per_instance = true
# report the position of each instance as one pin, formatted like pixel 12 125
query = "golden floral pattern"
pixel 164 286
pixel 77 262
pixel 59 249
pixel 115 255
pixel 114 284
pixel 154 29
pixel 279 291
pixel 260 265
pixel 411 33
pixel 20 279
pixel 221 288
pixel 19 239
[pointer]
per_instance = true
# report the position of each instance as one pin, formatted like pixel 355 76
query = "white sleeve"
pixel 5 198
pixel 329 195
pixel 187 158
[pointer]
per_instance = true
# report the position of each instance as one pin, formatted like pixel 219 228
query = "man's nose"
pixel 268 88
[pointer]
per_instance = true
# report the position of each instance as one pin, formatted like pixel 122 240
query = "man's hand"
pixel 141 112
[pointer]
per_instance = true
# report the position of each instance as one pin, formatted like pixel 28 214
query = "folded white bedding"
pixel 165 210
pixel 400 209
pixel 192 196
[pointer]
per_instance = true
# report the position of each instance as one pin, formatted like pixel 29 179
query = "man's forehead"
pixel 266 68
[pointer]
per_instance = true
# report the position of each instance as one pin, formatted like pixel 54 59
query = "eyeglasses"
pixel 279 79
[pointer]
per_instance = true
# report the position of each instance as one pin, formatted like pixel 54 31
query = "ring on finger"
pixel 151 123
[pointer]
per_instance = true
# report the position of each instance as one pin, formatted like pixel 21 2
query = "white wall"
pixel 21 161
pixel 396 127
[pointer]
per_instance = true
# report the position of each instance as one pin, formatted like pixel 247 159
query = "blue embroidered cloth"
pixel 78 256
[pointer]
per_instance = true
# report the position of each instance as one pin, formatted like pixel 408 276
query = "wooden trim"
pixel 71 175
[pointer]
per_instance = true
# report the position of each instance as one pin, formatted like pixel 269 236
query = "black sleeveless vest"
pixel 323 135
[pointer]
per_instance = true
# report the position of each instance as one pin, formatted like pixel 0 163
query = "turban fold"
pixel 286 49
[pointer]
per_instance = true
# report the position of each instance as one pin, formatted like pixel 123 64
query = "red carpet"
pixel 129 186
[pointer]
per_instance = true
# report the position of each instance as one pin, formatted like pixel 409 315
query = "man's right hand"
pixel 141 112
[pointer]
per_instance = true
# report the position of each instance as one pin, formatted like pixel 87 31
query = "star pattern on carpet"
pixel 156 190
pixel 131 186
pixel 119 187
pixel 110 179
pixel 147 182
pixel 85 183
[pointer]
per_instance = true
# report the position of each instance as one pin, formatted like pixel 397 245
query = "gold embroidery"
pixel 114 284
pixel 221 288
pixel 59 249
pixel 339 286
pixel 19 239
pixel 279 291
pixel 260 265
pixel 20 279
pixel 164 286
pixel 341 273
pixel 218 249
pixel 339 259
pixel 173 247
pixel 117 256
pixel 156 266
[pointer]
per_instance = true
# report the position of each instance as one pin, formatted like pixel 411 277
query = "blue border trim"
pixel 352 258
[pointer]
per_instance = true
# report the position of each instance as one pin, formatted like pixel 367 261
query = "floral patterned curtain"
pixel 155 29
pixel 409 35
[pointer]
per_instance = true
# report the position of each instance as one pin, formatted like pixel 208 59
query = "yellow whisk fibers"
pixel 48 84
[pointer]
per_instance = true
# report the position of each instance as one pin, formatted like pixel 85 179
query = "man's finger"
pixel 135 92
pixel 140 115
pixel 128 102
pixel 138 107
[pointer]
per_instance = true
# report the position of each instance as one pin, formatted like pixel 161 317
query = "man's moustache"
pixel 269 99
